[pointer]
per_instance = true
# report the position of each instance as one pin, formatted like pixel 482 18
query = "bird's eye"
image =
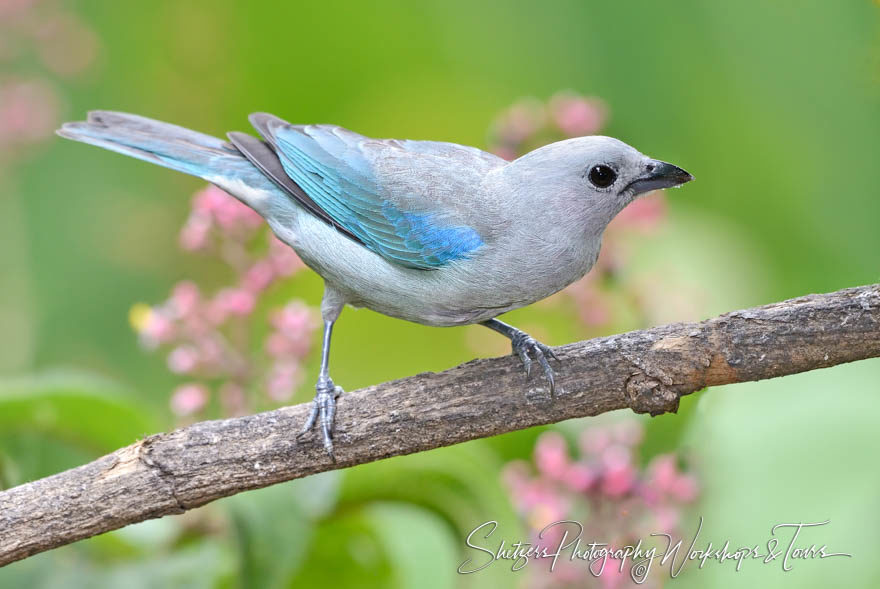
pixel 602 176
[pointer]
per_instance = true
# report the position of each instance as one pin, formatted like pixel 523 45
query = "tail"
pixel 168 145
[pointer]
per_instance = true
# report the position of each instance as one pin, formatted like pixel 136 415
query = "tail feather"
pixel 161 143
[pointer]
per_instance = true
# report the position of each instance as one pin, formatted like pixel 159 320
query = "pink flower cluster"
pixel 45 33
pixel 208 336
pixel 603 488
pixel 215 212
pixel 291 340
pixel 529 124
pixel 28 111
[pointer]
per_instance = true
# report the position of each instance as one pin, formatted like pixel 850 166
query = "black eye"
pixel 602 176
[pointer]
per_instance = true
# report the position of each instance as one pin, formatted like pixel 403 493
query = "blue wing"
pixel 338 169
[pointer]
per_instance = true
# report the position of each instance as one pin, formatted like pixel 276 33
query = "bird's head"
pixel 595 176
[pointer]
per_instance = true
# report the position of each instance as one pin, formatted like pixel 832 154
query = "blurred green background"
pixel 773 106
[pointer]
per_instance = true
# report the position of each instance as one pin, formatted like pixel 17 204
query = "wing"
pixel 398 198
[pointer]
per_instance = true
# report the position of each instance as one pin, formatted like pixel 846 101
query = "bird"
pixel 431 232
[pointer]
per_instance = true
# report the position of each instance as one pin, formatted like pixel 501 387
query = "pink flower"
pixel 628 432
pixel 546 506
pixel 199 328
pixel 185 298
pixel 685 488
pixel 294 324
pixel 233 215
pixel 664 478
pixel 618 481
pixel 515 475
pixel 594 440
pixel 576 115
pixel 663 473
pixel 258 277
pixel 283 380
pixel 592 305
pixel 615 456
pixel 604 489
pixel 611 576
pixel 505 152
pixel 183 359
pixel 15 8
pixel 211 353
pixel 195 233
pixel 232 301
pixel 551 455
pixel 644 214
pixel 28 111
pixel 209 199
pixel 284 260
pixel 277 345
pixel 230 214
pixel 520 121
pixel 67 46
pixel 293 319
pixel 233 399
pixel 580 477
pixel 619 475
pixel 667 518
pixel 189 398
pixel 156 329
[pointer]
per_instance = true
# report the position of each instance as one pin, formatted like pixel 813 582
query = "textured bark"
pixel 647 371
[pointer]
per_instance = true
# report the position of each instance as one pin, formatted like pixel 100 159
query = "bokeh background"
pixel 773 106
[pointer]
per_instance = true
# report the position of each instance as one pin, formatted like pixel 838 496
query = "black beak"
pixel 658 175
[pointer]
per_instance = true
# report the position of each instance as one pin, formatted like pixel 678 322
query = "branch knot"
pixel 645 394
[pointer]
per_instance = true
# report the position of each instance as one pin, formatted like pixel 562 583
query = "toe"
pixel 328 447
pixel 330 417
pixel 527 365
pixel 548 372
pixel 551 378
pixel 524 358
pixel 327 433
pixel 327 429
pixel 548 351
pixel 313 416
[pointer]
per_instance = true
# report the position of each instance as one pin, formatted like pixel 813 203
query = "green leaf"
pixel 802 448
pixel 418 544
pixel 461 485
pixel 201 566
pixel 59 420
pixel 273 527
pixel 85 410
pixel 381 545
pixel 345 551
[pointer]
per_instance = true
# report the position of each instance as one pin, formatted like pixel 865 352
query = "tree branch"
pixel 646 370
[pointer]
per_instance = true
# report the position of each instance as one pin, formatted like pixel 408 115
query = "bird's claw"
pixel 324 406
pixel 525 346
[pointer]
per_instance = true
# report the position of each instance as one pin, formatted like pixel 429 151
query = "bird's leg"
pixel 525 346
pixel 324 405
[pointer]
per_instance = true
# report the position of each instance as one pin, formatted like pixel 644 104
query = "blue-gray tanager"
pixel 430 232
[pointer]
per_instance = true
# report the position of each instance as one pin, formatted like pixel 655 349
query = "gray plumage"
pixel 430 232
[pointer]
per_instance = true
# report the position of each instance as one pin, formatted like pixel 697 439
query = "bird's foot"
pixel 324 407
pixel 525 346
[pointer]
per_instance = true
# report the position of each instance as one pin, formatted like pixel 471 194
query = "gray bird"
pixel 431 232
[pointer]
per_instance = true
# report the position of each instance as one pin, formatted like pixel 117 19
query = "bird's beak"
pixel 658 175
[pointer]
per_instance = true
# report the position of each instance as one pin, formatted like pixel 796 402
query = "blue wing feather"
pixel 330 165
